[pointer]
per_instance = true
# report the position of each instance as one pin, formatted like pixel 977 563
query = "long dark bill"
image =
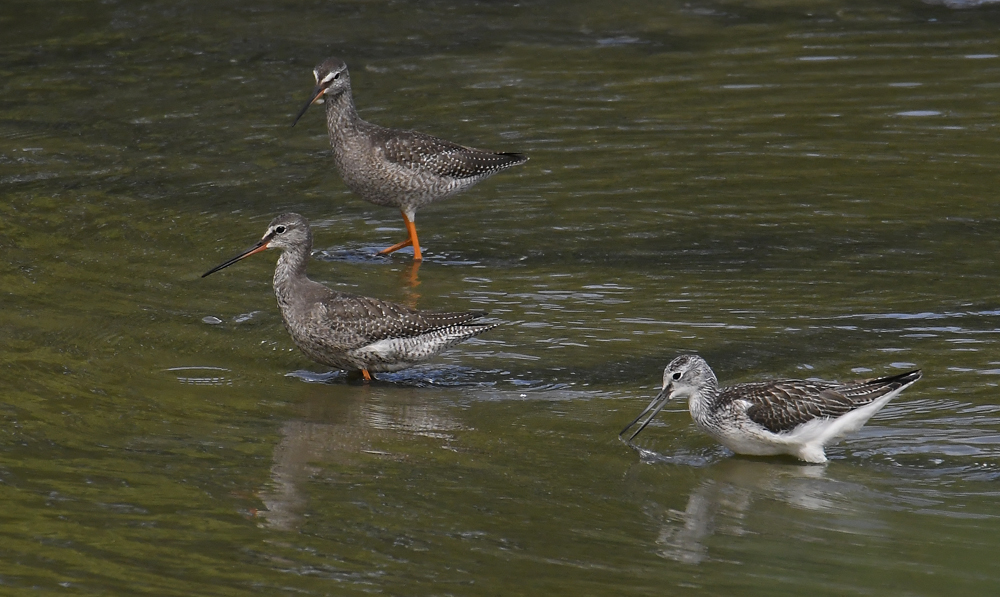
pixel 656 406
pixel 261 246
pixel 317 91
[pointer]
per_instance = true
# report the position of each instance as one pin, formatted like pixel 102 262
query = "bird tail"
pixel 515 158
pixel 897 381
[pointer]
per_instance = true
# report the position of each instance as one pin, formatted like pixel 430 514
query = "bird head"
pixel 284 232
pixel 332 79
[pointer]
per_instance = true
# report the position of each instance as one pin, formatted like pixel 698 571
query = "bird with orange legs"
pixel 392 167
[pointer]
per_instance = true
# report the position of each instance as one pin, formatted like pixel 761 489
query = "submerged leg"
pixel 396 247
pixel 413 236
pixel 411 229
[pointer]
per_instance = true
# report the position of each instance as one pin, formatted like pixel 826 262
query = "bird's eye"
pixel 279 229
pixel 676 375
pixel 336 76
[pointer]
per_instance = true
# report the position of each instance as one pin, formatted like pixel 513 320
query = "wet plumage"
pixel 795 417
pixel 393 167
pixel 347 331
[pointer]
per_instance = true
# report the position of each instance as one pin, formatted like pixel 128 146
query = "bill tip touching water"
pixel 793 417
pixel 347 331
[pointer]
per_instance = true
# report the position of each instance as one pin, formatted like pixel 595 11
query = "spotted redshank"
pixel 346 331
pixel 787 416
pixel 392 167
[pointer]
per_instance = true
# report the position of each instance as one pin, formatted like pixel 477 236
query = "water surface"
pixel 788 188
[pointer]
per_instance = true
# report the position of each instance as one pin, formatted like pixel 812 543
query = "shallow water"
pixel 788 188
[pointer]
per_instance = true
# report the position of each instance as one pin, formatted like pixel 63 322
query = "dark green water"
pixel 788 188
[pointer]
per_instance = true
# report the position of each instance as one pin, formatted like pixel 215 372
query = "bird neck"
pixel 701 400
pixel 291 270
pixel 341 118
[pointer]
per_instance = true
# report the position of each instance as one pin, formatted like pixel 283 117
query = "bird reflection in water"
pixel 343 432
pixel 408 275
pixel 724 503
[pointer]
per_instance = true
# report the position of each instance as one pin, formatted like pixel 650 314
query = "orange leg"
pixel 367 376
pixel 396 247
pixel 413 236
pixel 411 228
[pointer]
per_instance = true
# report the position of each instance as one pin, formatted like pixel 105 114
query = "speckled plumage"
pixel 788 416
pixel 393 167
pixel 347 331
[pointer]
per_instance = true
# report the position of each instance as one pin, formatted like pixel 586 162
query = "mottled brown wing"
pixel 443 158
pixel 786 404
pixel 783 405
pixel 364 320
